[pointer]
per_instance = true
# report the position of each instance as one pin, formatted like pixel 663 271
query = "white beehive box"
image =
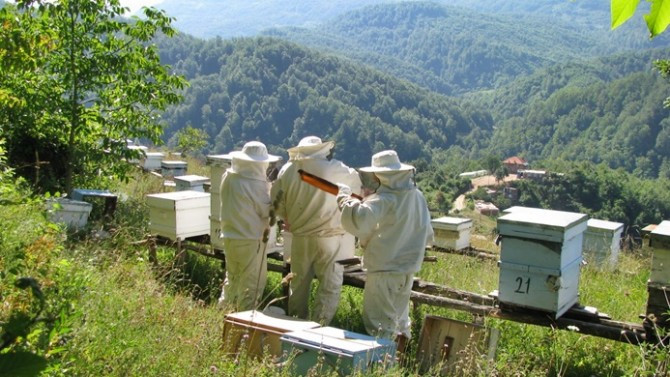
pixel 173 168
pixel 602 241
pixel 287 242
pixel 217 165
pixel 141 148
pixel 540 258
pixel 452 233
pixel 258 332
pixel 179 215
pixel 342 351
pixel 72 213
pixel 215 235
pixel 190 182
pixel 152 161
pixel 659 240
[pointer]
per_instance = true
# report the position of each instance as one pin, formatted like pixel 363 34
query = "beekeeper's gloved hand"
pixel 343 194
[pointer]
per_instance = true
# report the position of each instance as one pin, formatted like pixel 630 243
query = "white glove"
pixel 343 194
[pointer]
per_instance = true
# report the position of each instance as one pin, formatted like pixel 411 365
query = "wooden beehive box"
pixel 152 161
pixel 179 215
pixel 602 241
pixel 73 213
pixel 658 304
pixel 141 148
pixel 540 258
pixel 217 165
pixel 445 343
pixel 659 240
pixel 191 182
pixel 173 168
pixel 258 332
pixel 452 233
pixel 215 235
pixel 336 350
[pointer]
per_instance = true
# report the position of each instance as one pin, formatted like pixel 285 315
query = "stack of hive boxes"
pixel 179 215
pixel 658 285
pixel 540 258
pixel 218 165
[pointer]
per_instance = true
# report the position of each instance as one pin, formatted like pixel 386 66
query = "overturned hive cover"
pixel 173 164
pixel 191 179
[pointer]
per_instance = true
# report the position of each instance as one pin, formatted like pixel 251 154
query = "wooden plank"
pixel 584 320
pixel 469 251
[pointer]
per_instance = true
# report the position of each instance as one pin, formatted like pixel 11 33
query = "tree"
pixel 78 81
pixel 191 139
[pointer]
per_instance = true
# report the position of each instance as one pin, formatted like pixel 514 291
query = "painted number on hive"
pixel 522 285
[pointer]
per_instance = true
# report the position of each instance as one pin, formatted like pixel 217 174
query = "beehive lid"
pixel 178 195
pixel 154 155
pixel 595 225
pixel 77 194
pixel 451 223
pixel 271 321
pixel 192 179
pixel 173 163
pixel 542 224
pixel 219 159
pixel 662 231
pixel 344 341
pixel 519 208
pixel 138 147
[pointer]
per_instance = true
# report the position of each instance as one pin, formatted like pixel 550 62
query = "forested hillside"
pixel 609 112
pixel 278 92
pixel 448 49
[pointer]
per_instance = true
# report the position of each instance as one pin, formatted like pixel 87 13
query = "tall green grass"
pixel 112 313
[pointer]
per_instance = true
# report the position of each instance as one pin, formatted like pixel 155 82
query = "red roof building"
pixel 514 164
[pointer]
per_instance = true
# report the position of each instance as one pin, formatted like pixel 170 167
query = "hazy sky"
pixel 135 5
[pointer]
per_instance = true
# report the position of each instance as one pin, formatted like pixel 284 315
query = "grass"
pixel 113 313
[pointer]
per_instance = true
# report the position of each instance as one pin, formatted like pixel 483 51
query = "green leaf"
pixel 21 364
pixel 622 10
pixel 658 17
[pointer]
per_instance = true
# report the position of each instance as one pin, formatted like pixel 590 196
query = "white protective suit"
pixel 314 222
pixel 244 213
pixel 393 226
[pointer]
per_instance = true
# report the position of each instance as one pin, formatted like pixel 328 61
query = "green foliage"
pixel 190 139
pixel 278 92
pixel 600 192
pixel 77 82
pixel 657 19
pixel 619 123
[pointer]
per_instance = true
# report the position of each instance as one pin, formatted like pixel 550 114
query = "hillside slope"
pixel 278 92
pixel 458 50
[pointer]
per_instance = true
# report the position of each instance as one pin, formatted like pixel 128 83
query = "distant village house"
pixel 486 208
pixel 514 164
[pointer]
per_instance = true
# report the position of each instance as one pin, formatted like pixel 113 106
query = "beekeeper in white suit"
pixel 393 226
pixel 318 239
pixel 244 214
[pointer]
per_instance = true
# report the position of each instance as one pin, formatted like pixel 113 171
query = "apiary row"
pixel 540 257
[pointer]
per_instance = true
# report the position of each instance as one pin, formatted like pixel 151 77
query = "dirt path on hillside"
pixel 484 181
